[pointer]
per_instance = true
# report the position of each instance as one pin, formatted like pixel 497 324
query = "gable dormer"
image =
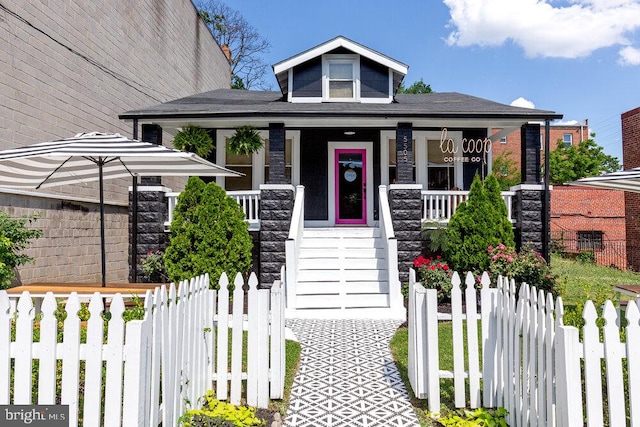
pixel 340 70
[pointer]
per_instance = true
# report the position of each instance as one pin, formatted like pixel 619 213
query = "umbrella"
pixel 627 180
pixel 90 157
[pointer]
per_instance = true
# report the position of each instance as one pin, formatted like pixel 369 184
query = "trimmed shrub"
pixel 478 223
pixel 15 236
pixel 208 234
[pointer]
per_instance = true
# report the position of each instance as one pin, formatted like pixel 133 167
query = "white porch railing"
pixel 391 250
pixel 292 247
pixel 441 205
pixel 249 201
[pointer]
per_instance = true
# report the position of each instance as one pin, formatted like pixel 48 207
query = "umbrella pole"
pixel 102 245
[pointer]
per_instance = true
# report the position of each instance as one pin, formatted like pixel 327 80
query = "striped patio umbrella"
pixel 90 157
pixel 627 180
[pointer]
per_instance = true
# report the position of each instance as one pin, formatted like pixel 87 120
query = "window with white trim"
pixel 341 78
pixel 567 138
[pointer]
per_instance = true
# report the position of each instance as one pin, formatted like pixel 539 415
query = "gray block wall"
pixel 528 211
pixel 406 213
pixel 276 207
pixel 74 66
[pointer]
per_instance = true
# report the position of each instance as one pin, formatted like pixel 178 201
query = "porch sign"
pixel 351 195
pixel 476 150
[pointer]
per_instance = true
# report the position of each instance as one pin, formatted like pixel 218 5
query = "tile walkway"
pixel 347 377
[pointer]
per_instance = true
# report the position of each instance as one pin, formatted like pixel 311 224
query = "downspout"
pixel 134 213
pixel 547 199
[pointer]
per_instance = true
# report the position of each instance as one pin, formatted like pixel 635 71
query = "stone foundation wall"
pixel 276 207
pixel 406 212
pixel 528 210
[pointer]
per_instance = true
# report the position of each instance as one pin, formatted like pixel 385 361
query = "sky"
pixel 579 58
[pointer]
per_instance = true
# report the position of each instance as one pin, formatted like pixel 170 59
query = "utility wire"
pixel 123 79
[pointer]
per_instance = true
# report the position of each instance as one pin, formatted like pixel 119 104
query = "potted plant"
pixel 246 140
pixel 195 140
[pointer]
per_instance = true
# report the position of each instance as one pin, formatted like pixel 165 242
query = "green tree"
pixel 506 171
pixel 478 223
pixel 416 87
pixel 230 28
pixel 208 234
pixel 15 236
pixel 569 163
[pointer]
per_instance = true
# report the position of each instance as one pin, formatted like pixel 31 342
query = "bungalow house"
pixel 350 168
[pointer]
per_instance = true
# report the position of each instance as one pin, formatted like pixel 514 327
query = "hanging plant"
pixel 245 141
pixel 195 140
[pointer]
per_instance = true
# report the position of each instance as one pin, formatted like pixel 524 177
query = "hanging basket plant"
pixel 245 141
pixel 194 139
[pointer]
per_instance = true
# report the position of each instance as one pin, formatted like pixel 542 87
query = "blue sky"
pixel 580 58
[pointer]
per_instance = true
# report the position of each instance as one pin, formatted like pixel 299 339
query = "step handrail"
pixel 391 249
pixel 292 247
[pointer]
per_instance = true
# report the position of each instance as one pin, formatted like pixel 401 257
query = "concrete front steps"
pixel 342 273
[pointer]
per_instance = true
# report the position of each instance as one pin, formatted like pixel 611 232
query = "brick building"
pixel 71 67
pixel 503 142
pixel 631 159
pixel 580 221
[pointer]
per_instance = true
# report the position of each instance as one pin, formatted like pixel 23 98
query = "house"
pixel 71 67
pixel 580 221
pixel 631 159
pixel 346 157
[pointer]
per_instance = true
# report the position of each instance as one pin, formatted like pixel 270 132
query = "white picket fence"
pixel 146 372
pixel 533 365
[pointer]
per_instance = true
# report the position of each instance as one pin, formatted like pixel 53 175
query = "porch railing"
pixel 249 201
pixel 391 249
pixel 292 248
pixel 441 205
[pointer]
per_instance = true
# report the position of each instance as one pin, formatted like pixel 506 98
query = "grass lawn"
pixel 577 283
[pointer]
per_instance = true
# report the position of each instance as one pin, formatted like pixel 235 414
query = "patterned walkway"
pixel 347 377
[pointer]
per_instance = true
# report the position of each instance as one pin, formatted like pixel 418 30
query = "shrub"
pixel 526 266
pixel 478 223
pixel 220 414
pixel 586 257
pixel 434 274
pixel 153 267
pixel 14 237
pixel 208 234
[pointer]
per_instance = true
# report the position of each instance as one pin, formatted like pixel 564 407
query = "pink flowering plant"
pixel 526 266
pixel 434 273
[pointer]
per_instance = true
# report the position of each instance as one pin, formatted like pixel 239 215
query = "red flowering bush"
pixel 526 266
pixel 434 274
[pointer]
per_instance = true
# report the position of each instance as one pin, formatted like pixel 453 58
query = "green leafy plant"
pixel 434 274
pixel 478 223
pixel 217 413
pixel 15 236
pixel 153 267
pixel 436 235
pixel 477 417
pixel 526 266
pixel 246 140
pixel 194 139
pixel 208 234
pixel 586 257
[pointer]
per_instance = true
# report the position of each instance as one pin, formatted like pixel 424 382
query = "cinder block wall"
pixel 70 67
pixel 631 159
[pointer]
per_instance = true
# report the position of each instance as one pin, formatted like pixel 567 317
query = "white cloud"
pixel 547 28
pixel 522 102
pixel 629 56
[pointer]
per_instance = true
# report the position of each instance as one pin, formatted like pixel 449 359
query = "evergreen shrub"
pixel 208 235
pixel 478 223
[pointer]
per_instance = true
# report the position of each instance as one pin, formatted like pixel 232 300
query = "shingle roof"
pixel 246 103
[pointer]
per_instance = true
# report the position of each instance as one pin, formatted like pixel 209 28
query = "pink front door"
pixel 351 186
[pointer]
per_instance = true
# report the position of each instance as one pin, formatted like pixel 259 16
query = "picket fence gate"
pixel 531 363
pixel 146 372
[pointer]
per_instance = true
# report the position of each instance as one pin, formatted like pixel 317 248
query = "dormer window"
pixel 341 78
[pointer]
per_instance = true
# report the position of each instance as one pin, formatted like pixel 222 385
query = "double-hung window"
pixel 341 75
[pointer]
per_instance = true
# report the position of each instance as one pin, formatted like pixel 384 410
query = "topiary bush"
pixel 208 234
pixel 478 223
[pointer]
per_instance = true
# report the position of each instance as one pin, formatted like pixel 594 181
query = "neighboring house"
pixel 338 128
pixel 508 142
pixel 582 221
pixel 73 66
pixel 631 160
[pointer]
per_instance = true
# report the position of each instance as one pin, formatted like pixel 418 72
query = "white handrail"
pixel 391 249
pixel 440 205
pixel 292 247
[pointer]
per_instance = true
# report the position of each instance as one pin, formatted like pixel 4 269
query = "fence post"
pixel 488 310
pixel 136 373
pixel 633 358
pixel 433 358
pixel 568 400
pixel 277 342
pixel 417 347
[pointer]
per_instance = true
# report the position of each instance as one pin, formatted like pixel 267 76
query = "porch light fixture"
pixel 349 132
